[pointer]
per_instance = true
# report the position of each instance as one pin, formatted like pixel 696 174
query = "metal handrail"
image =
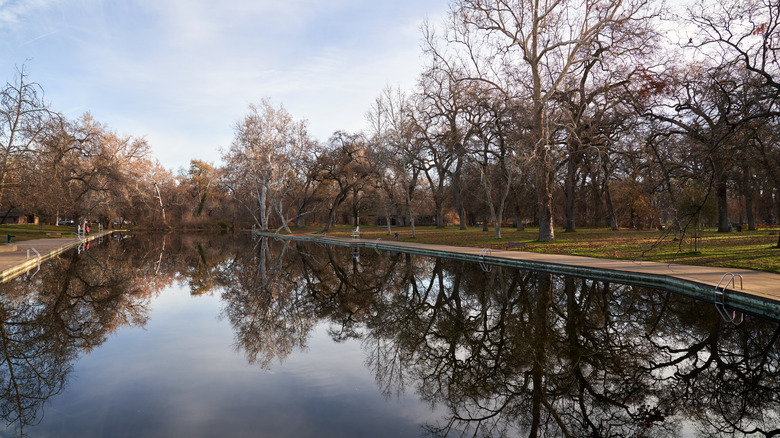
pixel 730 281
pixel 39 261
pixel 721 306
pixel 482 254
pixel 37 254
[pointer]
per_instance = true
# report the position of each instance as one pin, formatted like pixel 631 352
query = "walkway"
pixel 24 258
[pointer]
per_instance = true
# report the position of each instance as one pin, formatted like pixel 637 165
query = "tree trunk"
pixel 488 186
pixel 162 208
pixel 329 221
pixel 355 207
pixel 542 166
pixel 519 223
pixel 332 213
pixel 777 209
pixel 439 213
pixel 611 219
pixel 459 195
pixel 569 190
pixel 387 221
pixel 263 217
pixel 723 206
pixel 544 200
pixel 751 217
pixel 282 218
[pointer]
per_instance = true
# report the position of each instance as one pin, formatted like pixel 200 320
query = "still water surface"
pixel 187 335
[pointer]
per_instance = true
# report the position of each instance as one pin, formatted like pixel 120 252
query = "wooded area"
pixel 607 113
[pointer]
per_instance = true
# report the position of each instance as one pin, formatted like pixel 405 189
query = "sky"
pixel 181 73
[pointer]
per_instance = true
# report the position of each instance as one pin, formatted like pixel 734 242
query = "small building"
pixel 17 218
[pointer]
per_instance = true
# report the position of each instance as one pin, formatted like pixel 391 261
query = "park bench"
pixel 356 233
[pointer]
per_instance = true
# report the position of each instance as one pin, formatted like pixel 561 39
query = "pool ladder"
pixel 485 253
pixel 30 276
pixel 720 293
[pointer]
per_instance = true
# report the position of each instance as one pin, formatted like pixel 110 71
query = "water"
pixel 186 335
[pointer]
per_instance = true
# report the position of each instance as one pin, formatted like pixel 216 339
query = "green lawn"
pixel 748 249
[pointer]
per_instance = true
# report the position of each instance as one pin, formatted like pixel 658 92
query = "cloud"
pixel 12 12
pixel 181 72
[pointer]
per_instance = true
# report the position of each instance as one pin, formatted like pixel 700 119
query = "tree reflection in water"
pixel 505 353
pixel 512 352
pixel 71 306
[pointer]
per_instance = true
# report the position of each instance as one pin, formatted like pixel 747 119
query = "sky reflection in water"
pixel 196 336
pixel 180 375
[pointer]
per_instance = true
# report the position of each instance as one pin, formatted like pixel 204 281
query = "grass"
pixel 28 232
pixel 748 249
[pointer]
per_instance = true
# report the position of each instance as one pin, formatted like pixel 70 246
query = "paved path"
pixel 24 258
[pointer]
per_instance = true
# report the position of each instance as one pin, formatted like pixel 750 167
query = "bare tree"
pixel 492 148
pixel 262 162
pixel 746 32
pixel 23 120
pixel 530 48
pixel 442 129
pixel 401 152
pixel 346 165
pixel 99 168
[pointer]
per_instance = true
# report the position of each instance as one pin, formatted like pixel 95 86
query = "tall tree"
pixel 442 129
pixel 399 147
pixel 262 162
pixel 23 120
pixel 199 178
pixel 346 165
pixel 492 146
pixel 530 48
pixel 746 32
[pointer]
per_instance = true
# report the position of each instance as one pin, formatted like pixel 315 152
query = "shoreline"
pixel 24 258
pixel 760 293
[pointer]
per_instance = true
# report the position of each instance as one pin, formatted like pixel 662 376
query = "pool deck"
pixel 20 257
pixel 760 291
